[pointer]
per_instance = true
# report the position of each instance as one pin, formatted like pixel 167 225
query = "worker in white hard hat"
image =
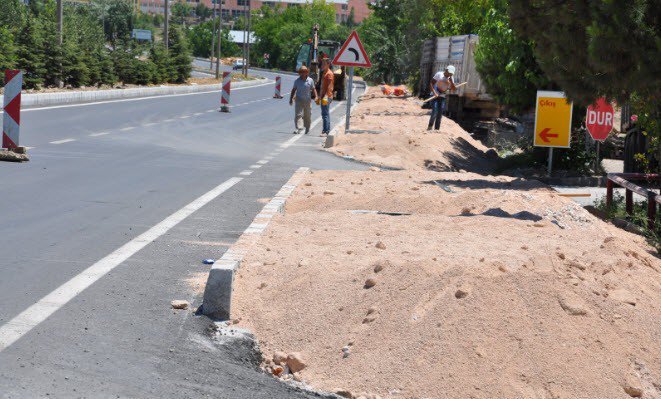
pixel 440 84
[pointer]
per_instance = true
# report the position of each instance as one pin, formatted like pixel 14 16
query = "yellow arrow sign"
pixel 553 120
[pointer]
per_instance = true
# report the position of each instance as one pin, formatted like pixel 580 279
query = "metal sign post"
pixel 349 90
pixel 550 165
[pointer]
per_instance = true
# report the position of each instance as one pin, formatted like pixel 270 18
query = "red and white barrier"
pixel 11 123
pixel 278 87
pixel 225 95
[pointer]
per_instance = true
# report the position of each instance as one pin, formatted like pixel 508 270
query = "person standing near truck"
pixel 326 95
pixel 440 84
pixel 304 91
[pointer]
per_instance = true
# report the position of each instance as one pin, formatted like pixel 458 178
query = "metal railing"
pixel 624 180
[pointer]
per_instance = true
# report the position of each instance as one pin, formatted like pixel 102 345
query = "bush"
pixel 180 58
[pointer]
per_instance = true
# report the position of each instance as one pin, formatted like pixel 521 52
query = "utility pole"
pixel 213 35
pixel 220 31
pixel 60 18
pixel 166 11
pixel 245 41
pixel 248 40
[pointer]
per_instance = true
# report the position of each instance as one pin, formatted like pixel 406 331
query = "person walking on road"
pixel 303 91
pixel 327 89
pixel 440 84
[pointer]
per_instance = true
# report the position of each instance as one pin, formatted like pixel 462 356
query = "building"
pixel 233 9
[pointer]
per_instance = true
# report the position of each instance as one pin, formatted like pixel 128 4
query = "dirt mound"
pixel 403 140
pixel 464 286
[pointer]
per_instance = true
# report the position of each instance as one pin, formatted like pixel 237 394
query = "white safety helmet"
pixel 450 69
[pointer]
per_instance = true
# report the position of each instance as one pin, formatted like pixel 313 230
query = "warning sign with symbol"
pixel 353 53
pixel 552 120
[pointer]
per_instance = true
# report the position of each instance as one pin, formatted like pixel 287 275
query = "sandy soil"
pixel 405 142
pixel 492 288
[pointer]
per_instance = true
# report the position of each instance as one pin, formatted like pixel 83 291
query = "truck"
pixel 471 100
pixel 312 52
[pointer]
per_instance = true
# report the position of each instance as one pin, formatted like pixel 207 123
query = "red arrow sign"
pixel 545 135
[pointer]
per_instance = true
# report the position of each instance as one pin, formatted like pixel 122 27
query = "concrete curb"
pixel 217 302
pixel 582 181
pixel 77 97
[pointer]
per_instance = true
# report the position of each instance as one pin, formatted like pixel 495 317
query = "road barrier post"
pixel 11 123
pixel 278 87
pixel 225 95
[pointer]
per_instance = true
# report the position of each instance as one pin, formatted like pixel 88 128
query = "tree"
pixel 7 51
pixel 202 11
pixel 180 11
pixel 180 58
pixel 506 62
pixel 593 48
pixel 29 55
pixel 158 55
pixel 199 38
pixel 351 19
pixel 118 21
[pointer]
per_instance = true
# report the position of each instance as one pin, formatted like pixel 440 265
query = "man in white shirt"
pixel 440 84
pixel 304 91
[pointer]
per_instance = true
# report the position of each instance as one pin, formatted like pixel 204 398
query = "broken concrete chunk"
pixel 179 304
pixel 295 362
pixel 572 304
pixel 380 245
pixel 280 358
pixel 462 293
pixel 370 282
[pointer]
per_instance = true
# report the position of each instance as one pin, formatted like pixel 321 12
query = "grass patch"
pixel 638 217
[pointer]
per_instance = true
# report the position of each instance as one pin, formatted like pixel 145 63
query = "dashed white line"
pixel 98 134
pixel 255 166
pixel 62 141
pixel 23 323
pixel 168 120
pixel 262 162
pixel 212 110
pixel 246 173
pixel 197 114
pixel 149 124
pixel 126 129
pixel 184 117
pixel 268 158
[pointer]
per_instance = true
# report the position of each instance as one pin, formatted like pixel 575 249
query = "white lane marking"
pixel 184 117
pixel 246 173
pixel 40 311
pixel 140 98
pixel 98 134
pixel 126 129
pixel 262 162
pixel 212 110
pixel 268 158
pixel 30 148
pixel 197 114
pixel 149 124
pixel 62 141
pixel 255 166
pixel 168 120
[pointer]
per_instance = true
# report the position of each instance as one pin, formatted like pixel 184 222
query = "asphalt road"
pixel 104 175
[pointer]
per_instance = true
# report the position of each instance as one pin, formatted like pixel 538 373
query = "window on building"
pixel 243 2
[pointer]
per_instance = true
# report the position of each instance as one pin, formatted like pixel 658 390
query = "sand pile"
pixel 491 288
pixel 404 141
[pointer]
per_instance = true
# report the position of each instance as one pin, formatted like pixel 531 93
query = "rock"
pixel 466 211
pixel 371 310
pixel 633 387
pixel 295 362
pixel 623 296
pixel 328 192
pixel 380 245
pixel 298 377
pixel 572 304
pixel 262 286
pixel 369 319
pixel 576 265
pixel 561 255
pixel 308 184
pixel 374 169
pixel 378 267
pixel 462 293
pixel 346 351
pixel 303 263
pixel 343 393
pixel 278 370
pixel 179 304
pixel 370 282
pixel 280 358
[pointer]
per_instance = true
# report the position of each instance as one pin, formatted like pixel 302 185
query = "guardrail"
pixel 623 180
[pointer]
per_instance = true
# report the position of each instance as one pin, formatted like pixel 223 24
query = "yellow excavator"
pixel 311 54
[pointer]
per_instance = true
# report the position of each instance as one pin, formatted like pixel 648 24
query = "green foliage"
pixel 594 48
pixel 158 55
pixel 117 20
pixel 202 11
pixel 10 14
pixel 638 217
pixel 506 63
pixel 180 57
pixel 181 11
pixel 7 51
pixel 281 31
pixel 199 37
pixel 29 57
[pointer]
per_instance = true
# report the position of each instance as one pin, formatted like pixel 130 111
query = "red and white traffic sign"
pixel 11 123
pixel 599 119
pixel 352 53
